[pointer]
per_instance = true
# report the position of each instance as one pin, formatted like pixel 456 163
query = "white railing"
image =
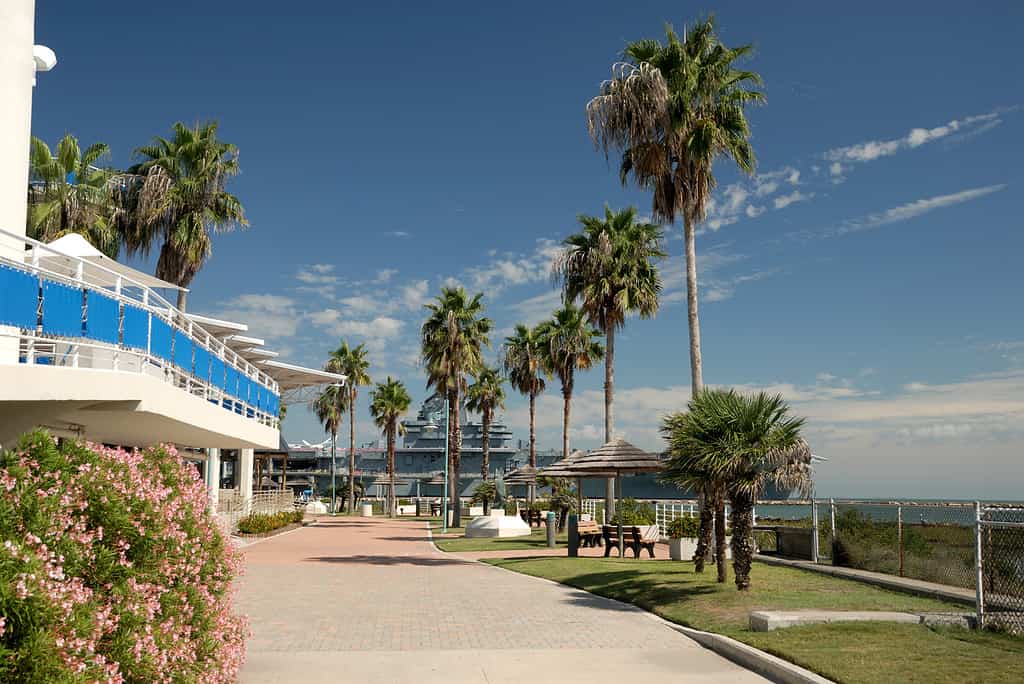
pixel 37 346
pixel 664 513
pixel 231 507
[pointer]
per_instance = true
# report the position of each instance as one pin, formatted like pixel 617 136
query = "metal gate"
pixel 999 567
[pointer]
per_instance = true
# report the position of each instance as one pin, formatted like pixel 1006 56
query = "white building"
pixel 89 348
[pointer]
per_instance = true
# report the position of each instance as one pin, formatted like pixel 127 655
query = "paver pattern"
pixel 360 599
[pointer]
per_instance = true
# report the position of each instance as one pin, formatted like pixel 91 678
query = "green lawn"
pixel 867 652
pixel 537 540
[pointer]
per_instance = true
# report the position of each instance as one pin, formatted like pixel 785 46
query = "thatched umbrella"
pixel 619 457
pixel 564 468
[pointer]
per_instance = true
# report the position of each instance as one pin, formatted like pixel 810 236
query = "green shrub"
pixel 633 512
pixel 683 527
pixel 261 523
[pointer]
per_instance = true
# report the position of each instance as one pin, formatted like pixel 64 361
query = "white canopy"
pixel 289 376
pixel 217 326
pixel 98 268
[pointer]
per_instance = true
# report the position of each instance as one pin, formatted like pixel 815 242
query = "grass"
pixel 537 540
pixel 865 652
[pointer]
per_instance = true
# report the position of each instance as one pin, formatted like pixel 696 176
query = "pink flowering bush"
pixel 112 569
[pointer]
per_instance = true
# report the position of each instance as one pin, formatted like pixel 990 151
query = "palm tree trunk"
pixel 707 518
pixel 533 439
pixel 284 473
pixel 696 374
pixel 723 569
pixel 485 446
pixel 609 420
pixel 566 403
pixel 455 448
pixel 181 300
pixel 391 469
pixel 352 451
pixel 742 538
pixel 334 479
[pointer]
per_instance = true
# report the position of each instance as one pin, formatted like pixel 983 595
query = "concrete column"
pixel 244 478
pixel 213 477
pixel 17 71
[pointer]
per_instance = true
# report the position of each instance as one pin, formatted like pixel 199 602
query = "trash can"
pixel 366 510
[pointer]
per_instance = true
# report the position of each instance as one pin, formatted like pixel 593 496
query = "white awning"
pixel 217 327
pixel 239 342
pixel 98 268
pixel 290 377
pixel 257 354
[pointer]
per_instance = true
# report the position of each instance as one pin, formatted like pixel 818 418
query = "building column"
pixel 213 477
pixel 17 71
pixel 244 479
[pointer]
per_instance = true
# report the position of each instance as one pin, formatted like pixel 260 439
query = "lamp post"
pixel 444 492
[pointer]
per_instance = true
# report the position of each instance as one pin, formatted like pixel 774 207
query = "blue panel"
pixel 202 364
pixel 160 339
pixel 19 303
pixel 258 400
pixel 136 327
pixel 217 372
pixel 243 388
pixel 62 309
pixel 103 317
pixel 182 351
pixel 231 381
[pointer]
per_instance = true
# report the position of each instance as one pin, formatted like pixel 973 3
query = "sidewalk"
pixel 371 600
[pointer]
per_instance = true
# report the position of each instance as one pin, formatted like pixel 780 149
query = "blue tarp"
pixel 102 321
pixel 19 302
pixel 182 351
pixel 62 309
pixel 217 372
pixel 231 381
pixel 136 327
pixel 160 339
pixel 202 364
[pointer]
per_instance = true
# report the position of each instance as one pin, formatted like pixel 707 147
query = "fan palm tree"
pixel 485 396
pixel 353 364
pixel 744 442
pixel 672 109
pixel 569 344
pixel 453 338
pixel 609 268
pixel 178 196
pixel 329 408
pixel 388 402
pixel 522 359
pixel 69 194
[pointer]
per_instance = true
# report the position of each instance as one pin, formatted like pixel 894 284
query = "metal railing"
pixel 252 394
pixel 231 507
pixel 999 568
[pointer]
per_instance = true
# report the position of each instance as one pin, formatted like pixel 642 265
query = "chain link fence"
pixel 1000 572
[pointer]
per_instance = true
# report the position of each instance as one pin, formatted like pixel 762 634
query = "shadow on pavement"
pixel 386 560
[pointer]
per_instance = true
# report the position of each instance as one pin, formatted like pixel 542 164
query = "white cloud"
pixel 752 211
pixel 267 315
pixel 874 149
pixel 783 201
pixel 317 274
pixel 338 324
pixel 513 269
pixel 910 210
pixel 414 295
pixel 385 275
pixel 835 169
pixel 399 234
pixel 533 310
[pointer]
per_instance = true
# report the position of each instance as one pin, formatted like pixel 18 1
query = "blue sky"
pixel 870 271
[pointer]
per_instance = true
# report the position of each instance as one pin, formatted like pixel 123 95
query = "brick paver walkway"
pixel 370 600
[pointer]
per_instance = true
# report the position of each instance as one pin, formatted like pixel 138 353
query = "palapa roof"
pixel 522 475
pixel 618 456
pixel 565 467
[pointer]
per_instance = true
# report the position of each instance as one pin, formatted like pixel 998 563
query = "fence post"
pixel 814 534
pixel 832 520
pixel 899 534
pixel 979 591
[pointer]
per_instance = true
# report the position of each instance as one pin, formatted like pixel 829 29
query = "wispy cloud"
pixel 399 233
pixel 874 149
pixel 783 201
pixel 317 274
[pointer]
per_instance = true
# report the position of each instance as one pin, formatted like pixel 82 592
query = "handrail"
pixel 167 311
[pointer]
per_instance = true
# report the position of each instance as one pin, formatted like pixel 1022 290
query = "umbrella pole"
pixel 579 496
pixel 618 486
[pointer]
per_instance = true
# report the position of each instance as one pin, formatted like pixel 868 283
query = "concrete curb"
pixel 768 666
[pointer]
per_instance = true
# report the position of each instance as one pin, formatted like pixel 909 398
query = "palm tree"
pixel 178 196
pixel 569 344
pixel 609 269
pixel 672 109
pixel 388 401
pixel 484 396
pixel 329 408
pixel 453 337
pixel 69 194
pixel 353 364
pixel 485 493
pixel 744 442
pixel 523 360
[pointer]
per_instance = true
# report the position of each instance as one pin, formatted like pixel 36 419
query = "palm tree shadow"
pixel 423 561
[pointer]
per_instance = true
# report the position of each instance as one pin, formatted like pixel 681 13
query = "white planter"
pixel 366 510
pixel 683 549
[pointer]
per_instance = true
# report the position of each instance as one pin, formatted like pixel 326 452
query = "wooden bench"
pixel 589 532
pixel 633 538
pixel 531 518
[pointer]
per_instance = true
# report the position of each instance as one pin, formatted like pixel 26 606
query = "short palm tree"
pixel 609 268
pixel 672 109
pixel 388 402
pixel 178 195
pixel 353 364
pixel 744 442
pixel 453 338
pixel 485 494
pixel 69 194
pixel 329 408
pixel 485 396
pixel 570 344
pixel 522 358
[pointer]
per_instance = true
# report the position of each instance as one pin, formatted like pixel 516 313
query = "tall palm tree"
pixel 609 268
pixel 522 358
pixel 353 364
pixel 453 338
pixel 485 396
pixel 672 109
pixel 178 196
pixel 329 408
pixel 69 194
pixel 744 442
pixel 388 402
pixel 570 344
